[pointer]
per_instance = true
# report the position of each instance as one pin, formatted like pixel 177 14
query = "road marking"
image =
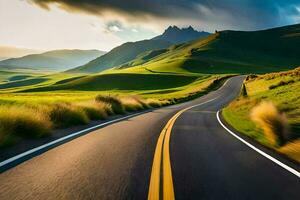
pixel 284 166
pixel 224 84
pixel 162 157
pixel 36 149
pixel 202 111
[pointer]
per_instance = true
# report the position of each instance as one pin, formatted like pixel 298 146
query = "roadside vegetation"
pixel 36 120
pixel 35 111
pixel 270 111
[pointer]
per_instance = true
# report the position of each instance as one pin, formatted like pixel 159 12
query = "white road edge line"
pixel 286 167
pixel 26 153
pixel 224 84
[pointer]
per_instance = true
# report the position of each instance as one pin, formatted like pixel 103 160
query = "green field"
pixel 63 100
pixel 279 88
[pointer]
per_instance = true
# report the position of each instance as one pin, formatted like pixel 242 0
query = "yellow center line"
pixel 162 157
pixel 203 111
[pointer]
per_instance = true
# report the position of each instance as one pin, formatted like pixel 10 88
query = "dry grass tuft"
pixel 113 101
pixel 292 149
pixel 271 121
pixel 131 104
pixel 65 115
pixel 19 121
pixel 95 110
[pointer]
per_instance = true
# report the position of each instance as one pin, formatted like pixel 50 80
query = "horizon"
pixel 53 25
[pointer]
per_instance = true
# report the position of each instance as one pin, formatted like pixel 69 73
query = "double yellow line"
pixel 162 157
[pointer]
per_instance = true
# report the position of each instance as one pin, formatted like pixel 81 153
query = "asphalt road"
pixel 115 162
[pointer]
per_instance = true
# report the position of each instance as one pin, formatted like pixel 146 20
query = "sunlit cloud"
pixel 104 24
pixel 217 14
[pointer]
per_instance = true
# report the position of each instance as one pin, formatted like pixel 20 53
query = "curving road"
pixel 180 151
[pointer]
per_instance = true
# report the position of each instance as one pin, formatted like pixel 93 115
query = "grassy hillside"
pixel 121 54
pixel 229 52
pixel 58 60
pixel 122 82
pixel 129 51
pixel 282 90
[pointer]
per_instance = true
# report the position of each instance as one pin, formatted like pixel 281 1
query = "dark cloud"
pixel 251 14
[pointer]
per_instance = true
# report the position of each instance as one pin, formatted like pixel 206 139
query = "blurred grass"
pixel 284 97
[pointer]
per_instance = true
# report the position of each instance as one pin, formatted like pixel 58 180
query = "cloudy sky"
pixel 104 24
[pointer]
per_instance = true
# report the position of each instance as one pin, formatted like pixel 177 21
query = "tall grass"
pixel 22 122
pixel 271 121
pixel 65 115
pixel 36 120
pixel 114 101
pixel 132 104
pixel 95 110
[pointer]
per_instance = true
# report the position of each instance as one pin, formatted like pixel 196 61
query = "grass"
pixel 36 120
pixel 265 111
pixel 75 106
pixel 22 122
pixel 65 115
pixel 116 103
pixel 271 121
pixel 121 81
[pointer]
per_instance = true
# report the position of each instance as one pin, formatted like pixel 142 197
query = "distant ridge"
pixel 130 50
pixel 174 34
pixel 57 60
pixel 7 52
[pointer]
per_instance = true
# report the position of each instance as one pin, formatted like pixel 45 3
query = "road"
pixel 177 152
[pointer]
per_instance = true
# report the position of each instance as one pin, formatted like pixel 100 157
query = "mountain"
pixel 175 35
pixel 130 50
pixel 120 55
pixel 228 52
pixel 57 60
pixel 7 52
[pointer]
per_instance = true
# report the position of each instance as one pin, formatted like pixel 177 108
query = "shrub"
pixel 22 122
pixel 65 115
pixel 271 121
pixel 281 83
pixel 251 76
pixel 114 101
pixel 244 91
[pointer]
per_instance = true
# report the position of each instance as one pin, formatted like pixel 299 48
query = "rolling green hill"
pixel 122 81
pixel 120 55
pixel 131 50
pixel 227 52
pixel 58 60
